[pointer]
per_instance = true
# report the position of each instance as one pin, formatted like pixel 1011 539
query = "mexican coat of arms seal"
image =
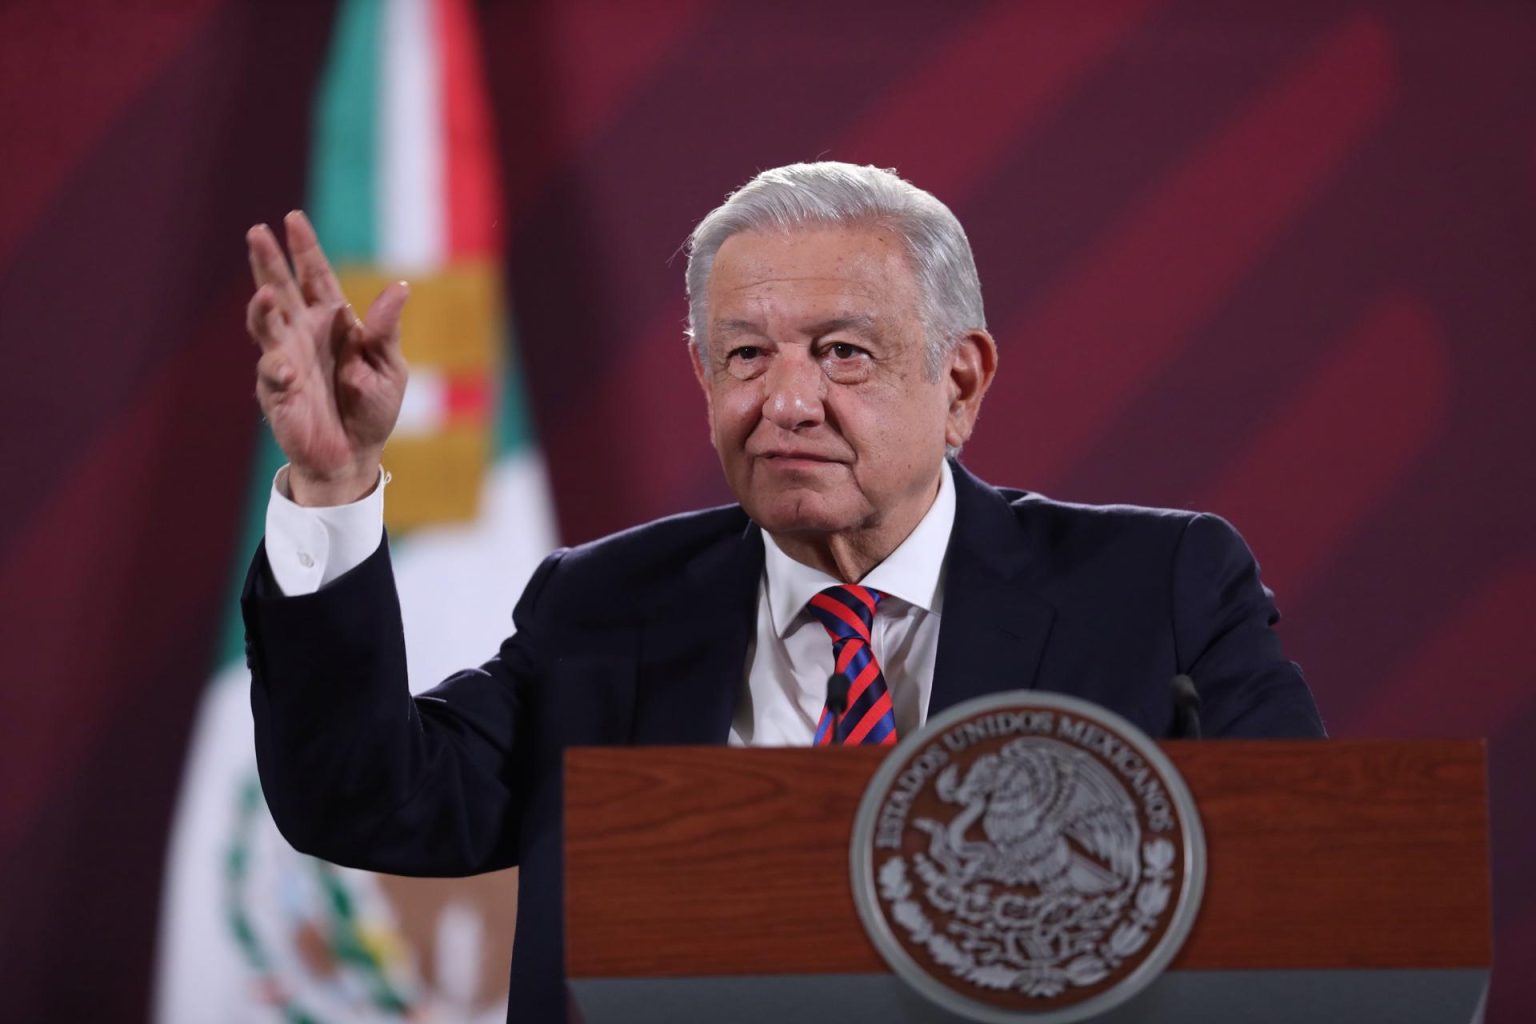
pixel 1028 857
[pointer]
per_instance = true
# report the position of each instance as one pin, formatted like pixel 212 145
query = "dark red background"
pixel 1273 260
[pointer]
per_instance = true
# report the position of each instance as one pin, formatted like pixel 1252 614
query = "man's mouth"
pixel 792 457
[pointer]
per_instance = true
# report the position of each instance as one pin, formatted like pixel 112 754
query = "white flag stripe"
pixel 426 403
pixel 458 583
pixel 412 212
pixel 199 971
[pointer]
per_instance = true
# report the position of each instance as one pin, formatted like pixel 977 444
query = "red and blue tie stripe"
pixel 848 613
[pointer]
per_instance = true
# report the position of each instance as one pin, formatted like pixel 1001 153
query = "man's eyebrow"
pixel 856 323
pixel 734 327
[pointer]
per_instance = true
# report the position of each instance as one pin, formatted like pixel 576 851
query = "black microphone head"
pixel 1186 707
pixel 1184 692
pixel 837 693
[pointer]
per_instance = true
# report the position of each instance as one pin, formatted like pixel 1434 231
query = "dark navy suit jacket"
pixel 641 638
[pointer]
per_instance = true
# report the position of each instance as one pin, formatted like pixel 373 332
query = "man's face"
pixel 821 406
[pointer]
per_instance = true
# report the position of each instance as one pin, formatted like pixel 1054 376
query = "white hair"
pixel 832 194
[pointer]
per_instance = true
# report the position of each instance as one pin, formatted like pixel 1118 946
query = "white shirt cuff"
pixel 309 547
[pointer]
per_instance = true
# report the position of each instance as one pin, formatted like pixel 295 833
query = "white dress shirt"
pixel 309 547
pixel 790 658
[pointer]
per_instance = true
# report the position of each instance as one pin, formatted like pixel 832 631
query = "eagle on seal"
pixel 1052 817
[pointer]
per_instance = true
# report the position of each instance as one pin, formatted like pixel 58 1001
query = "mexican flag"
pixel 403 184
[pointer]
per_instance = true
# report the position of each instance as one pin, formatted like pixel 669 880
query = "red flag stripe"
pixel 470 171
pixel 467 398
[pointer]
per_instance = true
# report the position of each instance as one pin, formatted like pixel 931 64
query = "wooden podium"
pixel 1347 881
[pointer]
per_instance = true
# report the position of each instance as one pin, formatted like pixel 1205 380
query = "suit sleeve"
pixel 1224 636
pixel 356 770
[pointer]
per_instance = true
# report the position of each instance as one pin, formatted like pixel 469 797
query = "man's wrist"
pixel 330 490
pixel 309 546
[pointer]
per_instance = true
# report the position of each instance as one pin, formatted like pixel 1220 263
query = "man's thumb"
pixel 382 321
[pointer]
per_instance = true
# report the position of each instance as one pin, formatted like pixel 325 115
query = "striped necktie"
pixel 848 613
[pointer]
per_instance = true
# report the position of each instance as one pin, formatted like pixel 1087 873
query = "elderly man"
pixel 838 337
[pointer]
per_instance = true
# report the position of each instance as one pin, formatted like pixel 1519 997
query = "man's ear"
pixel 970 368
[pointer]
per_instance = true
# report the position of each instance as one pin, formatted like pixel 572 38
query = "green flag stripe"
pixel 514 421
pixel 343 180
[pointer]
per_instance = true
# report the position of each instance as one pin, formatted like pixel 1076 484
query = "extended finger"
pixel 317 281
pixel 270 268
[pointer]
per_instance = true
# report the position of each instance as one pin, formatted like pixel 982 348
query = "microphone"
pixel 1186 708
pixel 837 703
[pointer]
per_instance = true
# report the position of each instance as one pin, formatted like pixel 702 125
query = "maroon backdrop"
pixel 1274 261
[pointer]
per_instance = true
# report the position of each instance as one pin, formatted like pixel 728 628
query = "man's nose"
pixel 793 386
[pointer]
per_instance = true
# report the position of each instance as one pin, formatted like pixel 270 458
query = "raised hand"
pixel 329 384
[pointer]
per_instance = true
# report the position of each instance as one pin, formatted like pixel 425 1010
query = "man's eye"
pixel 843 350
pixel 746 361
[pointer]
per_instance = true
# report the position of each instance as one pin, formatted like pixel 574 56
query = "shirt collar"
pixel 910 573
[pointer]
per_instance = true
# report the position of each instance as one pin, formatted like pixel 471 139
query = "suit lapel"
pixel 693 649
pixel 994 629
pixel 993 633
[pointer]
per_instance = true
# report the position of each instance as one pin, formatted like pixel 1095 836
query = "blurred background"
pixel 1275 261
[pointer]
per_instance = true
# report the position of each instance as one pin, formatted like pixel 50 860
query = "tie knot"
pixel 846 610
